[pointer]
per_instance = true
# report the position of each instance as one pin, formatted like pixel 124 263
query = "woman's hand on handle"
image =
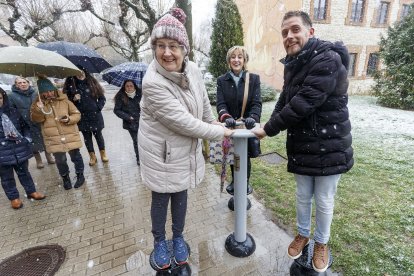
pixel 259 132
pixel 228 132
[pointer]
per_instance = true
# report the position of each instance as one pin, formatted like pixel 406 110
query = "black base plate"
pixel 240 249
pixel 174 269
pixel 230 204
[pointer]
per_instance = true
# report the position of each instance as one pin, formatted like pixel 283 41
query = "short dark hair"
pixel 305 17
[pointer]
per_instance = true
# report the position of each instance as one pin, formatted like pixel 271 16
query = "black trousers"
pixel 87 137
pixel 134 136
pixel 249 168
pixel 159 207
pixel 62 163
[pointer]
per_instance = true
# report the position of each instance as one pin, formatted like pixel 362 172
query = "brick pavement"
pixel 106 222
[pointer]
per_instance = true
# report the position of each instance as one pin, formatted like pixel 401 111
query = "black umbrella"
pixel 78 54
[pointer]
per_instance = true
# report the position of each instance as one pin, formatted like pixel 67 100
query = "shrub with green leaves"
pixel 394 84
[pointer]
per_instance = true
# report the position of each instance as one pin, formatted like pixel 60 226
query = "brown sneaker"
pixel 320 259
pixel 296 246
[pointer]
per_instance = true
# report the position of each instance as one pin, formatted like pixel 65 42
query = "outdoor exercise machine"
pixel 240 243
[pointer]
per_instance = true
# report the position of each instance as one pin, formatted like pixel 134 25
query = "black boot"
pixel 230 188
pixel 80 179
pixel 66 182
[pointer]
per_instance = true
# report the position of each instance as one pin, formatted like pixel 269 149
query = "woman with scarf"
pixel 230 94
pixel 15 151
pixel 175 116
pixel 127 108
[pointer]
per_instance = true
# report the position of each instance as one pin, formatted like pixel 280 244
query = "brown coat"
pixel 57 136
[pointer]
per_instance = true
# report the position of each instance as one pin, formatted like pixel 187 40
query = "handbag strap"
pixel 246 94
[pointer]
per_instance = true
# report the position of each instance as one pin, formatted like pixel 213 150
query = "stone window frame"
pixel 400 8
pixel 327 19
pixel 370 50
pixel 374 22
pixel 364 14
pixel 357 50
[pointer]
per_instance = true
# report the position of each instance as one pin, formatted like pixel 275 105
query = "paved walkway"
pixel 105 226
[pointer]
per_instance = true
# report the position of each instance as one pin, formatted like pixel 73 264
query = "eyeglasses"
pixel 174 48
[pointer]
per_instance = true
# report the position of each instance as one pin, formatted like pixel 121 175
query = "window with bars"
pixel 373 62
pixel 352 64
pixel 319 10
pixel 383 13
pixel 357 12
pixel 406 8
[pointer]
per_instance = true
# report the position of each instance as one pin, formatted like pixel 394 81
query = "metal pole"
pixel 240 187
pixel 240 243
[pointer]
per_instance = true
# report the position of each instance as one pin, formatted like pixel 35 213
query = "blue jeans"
pixel 323 190
pixel 62 163
pixel 9 183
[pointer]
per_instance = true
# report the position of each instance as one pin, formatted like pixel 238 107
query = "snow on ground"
pixel 373 122
pixel 366 116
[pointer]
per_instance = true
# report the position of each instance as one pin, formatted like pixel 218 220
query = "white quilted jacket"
pixel 175 116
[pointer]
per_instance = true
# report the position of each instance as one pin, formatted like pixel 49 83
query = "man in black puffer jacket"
pixel 313 109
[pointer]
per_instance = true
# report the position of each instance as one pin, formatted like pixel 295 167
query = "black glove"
pixel 249 123
pixel 230 122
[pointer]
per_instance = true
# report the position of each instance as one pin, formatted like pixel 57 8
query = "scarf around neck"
pixel 180 78
pixel 132 94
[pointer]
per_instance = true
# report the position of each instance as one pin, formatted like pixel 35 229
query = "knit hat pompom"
pixel 44 85
pixel 179 14
pixel 171 26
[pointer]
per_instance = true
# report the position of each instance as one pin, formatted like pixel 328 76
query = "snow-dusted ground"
pixel 389 131
pixel 369 118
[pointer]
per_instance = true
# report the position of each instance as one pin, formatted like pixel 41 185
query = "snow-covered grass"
pixel 372 231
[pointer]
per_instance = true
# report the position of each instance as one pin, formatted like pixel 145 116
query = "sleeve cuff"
pixel 270 131
pixel 224 117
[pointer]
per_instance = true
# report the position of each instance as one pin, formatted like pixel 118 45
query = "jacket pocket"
pixel 167 152
pixel 314 124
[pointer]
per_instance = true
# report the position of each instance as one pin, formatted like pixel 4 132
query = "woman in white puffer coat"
pixel 175 116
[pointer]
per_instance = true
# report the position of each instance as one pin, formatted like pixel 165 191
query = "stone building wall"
pixel 262 20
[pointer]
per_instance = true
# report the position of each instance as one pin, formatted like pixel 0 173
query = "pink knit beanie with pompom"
pixel 171 26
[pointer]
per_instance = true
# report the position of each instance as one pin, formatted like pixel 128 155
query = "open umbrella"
pixel 31 61
pixel 134 71
pixel 78 54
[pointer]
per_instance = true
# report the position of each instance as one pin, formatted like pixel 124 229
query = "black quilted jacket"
pixel 313 109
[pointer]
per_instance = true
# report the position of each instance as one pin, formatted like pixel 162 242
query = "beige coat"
pixel 175 116
pixel 57 136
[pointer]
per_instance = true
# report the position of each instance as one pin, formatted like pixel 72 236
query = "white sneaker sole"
pixel 320 270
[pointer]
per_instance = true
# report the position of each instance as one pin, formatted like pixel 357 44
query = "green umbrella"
pixel 31 62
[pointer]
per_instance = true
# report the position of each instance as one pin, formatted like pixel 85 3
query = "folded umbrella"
pixel 78 54
pixel 134 71
pixel 31 62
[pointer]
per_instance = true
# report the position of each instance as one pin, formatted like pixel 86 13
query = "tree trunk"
pixel 185 5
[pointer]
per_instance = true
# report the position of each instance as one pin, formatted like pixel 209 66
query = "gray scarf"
pixel 10 131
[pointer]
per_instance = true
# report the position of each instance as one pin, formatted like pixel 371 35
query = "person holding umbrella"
pixel 15 151
pixel 58 118
pixel 175 115
pixel 127 108
pixel 21 98
pixel 88 96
